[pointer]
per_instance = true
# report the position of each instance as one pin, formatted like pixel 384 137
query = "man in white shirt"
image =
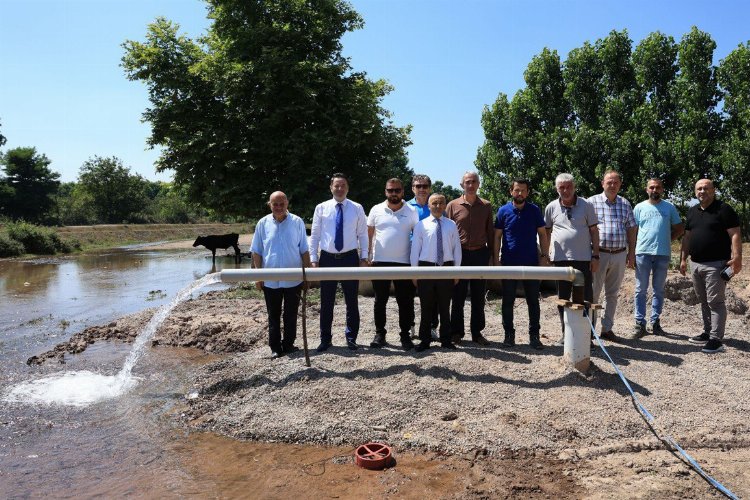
pixel 389 228
pixel 435 243
pixel 339 232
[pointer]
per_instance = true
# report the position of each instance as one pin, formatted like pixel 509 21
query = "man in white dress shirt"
pixel 435 243
pixel 339 232
pixel 389 228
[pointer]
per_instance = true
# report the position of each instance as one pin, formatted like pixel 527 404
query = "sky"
pixel 62 89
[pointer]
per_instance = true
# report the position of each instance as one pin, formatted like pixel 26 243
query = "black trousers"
pixel 435 294
pixel 565 288
pixel 479 257
pixel 275 298
pixel 404 298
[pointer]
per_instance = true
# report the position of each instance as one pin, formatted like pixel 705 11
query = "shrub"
pixel 10 247
pixel 38 239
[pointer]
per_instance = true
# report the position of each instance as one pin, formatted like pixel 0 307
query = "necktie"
pixel 439 237
pixel 338 240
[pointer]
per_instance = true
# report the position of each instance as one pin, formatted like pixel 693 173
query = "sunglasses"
pixel 394 190
pixel 568 211
pixel 421 186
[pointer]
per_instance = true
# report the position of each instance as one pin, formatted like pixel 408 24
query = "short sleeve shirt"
pixel 709 240
pixel 571 238
pixel 655 227
pixel 423 211
pixel 392 232
pixel 519 229
pixel 280 245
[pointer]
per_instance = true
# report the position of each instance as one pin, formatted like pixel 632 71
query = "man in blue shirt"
pixel 517 225
pixel 658 224
pixel 280 241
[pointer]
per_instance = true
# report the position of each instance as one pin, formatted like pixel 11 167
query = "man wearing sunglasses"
pixel 571 223
pixel 389 228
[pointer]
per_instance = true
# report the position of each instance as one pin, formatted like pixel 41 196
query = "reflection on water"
pixel 57 451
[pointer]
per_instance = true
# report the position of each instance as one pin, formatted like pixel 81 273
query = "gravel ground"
pixel 481 401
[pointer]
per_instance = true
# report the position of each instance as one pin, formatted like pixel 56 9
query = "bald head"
pixel 278 203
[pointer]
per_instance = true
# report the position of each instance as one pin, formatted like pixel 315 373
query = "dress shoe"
pixel 456 339
pixel 535 343
pixel 608 335
pixel 290 349
pixel 407 344
pixel 378 342
pixel 448 345
pixel 352 345
pixel 323 347
pixel 509 340
pixel 422 346
pixel 479 339
pixel 276 355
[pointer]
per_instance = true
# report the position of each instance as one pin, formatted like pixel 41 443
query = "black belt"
pixel 341 255
pixel 615 250
pixel 428 263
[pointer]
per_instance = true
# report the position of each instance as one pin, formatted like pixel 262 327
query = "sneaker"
pixel 700 339
pixel 352 345
pixel 713 346
pixel 639 331
pixel 407 344
pixel 276 354
pixel 479 339
pixel 323 347
pixel 434 333
pixel 656 328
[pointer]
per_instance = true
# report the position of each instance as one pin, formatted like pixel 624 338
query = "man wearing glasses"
pixel 571 223
pixel 389 228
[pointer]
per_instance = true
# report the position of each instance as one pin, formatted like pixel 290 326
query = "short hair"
pixel 519 180
pixel 441 195
pixel 421 178
pixel 395 180
pixel 472 173
pixel 656 179
pixel 612 171
pixel 339 175
pixel 564 178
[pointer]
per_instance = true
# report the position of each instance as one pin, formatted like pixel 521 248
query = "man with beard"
pixel 714 243
pixel 389 228
pixel 517 225
pixel 658 224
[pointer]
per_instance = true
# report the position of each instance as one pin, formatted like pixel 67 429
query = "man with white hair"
pixel 474 218
pixel 571 223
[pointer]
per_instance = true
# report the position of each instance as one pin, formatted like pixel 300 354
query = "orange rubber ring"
pixel 373 456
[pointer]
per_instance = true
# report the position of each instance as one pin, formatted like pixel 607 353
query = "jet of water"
pixel 81 388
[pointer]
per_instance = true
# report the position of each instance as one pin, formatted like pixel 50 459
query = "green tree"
pixel 2 138
pixel 450 193
pixel 115 194
pixel 28 184
pixel 266 101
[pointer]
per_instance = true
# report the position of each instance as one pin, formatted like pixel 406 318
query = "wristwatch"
pixel 595 257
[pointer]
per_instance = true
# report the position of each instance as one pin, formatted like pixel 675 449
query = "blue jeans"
pixel 645 265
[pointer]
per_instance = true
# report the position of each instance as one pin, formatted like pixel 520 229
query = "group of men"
pixel 600 236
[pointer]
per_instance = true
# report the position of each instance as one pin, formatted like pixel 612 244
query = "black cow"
pixel 223 241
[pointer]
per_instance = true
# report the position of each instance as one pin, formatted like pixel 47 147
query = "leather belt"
pixel 614 250
pixel 339 255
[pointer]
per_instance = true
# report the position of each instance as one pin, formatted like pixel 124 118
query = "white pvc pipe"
pixel 577 348
pixel 403 273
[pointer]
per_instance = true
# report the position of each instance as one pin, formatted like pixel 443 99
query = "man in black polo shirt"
pixel 713 241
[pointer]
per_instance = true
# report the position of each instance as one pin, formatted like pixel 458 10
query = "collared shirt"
pixel 423 211
pixel 392 232
pixel 571 237
pixel 280 245
pixel 424 244
pixel 323 230
pixel 520 229
pixel 709 240
pixel 474 222
pixel 655 227
pixel 615 218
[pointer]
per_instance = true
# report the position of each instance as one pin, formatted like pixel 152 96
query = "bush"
pixel 38 239
pixel 10 247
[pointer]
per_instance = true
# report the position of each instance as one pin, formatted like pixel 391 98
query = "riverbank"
pixel 527 425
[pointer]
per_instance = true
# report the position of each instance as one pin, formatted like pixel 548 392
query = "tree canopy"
pixel 27 189
pixel 266 101
pixel 655 110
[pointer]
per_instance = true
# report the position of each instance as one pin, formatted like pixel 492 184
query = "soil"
pixel 478 422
